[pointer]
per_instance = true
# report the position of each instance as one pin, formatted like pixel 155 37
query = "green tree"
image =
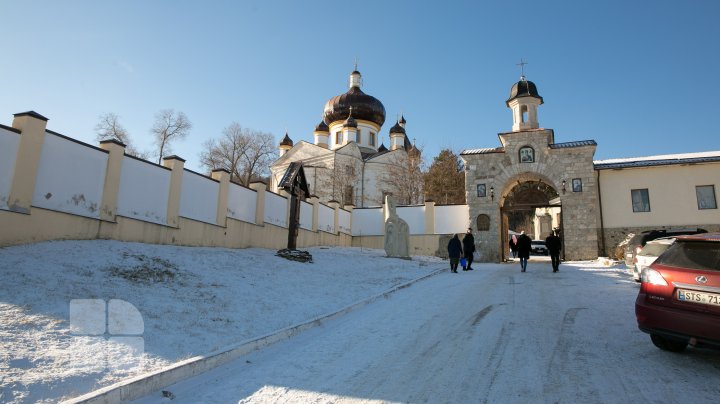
pixel 445 179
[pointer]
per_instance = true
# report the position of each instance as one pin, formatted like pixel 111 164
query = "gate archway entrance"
pixel 534 207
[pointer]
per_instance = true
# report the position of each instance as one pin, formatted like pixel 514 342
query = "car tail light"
pixel 637 249
pixel 652 277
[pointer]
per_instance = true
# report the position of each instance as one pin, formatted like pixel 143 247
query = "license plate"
pixel 712 299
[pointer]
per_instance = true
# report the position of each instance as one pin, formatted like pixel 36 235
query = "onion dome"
pixel 382 148
pixel 365 107
pixel 350 122
pixel 397 129
pixel 523 88
pixel 286 141
pixel 322 127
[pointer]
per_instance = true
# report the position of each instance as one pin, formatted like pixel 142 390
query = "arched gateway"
pixel 532 182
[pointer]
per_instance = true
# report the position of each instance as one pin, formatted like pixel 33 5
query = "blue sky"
pixel 637 77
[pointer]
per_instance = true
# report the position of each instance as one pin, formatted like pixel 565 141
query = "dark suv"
pixel 679 299
pixel 637 242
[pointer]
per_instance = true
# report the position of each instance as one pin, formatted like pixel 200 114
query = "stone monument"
pixel 397 232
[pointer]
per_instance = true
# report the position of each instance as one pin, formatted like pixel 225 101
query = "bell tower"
pixel 524 102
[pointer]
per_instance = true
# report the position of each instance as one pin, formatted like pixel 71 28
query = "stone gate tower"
pixel 531 173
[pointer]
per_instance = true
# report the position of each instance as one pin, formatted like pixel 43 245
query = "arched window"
pixel 523 113
pixel 483 222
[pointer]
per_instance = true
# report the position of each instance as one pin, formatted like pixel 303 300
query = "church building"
pixel 346 162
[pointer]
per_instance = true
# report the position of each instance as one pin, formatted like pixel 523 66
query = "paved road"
pixel 490 335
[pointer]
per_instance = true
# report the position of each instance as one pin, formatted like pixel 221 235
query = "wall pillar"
pixel 315 201
pixel 288 197
pixel 32 136
pixel 177 165
pixel 260 188
pixel 429 217
pixel 336 206
pixel 111 186
pixel 223 176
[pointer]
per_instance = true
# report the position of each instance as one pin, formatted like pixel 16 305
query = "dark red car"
pixel 679 299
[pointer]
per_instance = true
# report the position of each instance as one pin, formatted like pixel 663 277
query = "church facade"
pixel 346 162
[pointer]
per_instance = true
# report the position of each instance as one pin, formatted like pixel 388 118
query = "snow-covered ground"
pixel 493 335
pixel 191 301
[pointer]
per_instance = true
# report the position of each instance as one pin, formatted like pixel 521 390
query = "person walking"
pixel 454 252
pixel 523 250
pixel 553 244
pixel 468 244
pixel 513 246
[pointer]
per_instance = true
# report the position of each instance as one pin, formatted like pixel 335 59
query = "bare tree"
pixel 168 127
pixel 109 127
pixel 404 177
pixel 246 154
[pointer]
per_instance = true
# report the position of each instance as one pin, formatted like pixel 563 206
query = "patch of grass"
pixel 145 270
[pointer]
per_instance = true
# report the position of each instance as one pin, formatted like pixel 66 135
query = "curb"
pixel 140 386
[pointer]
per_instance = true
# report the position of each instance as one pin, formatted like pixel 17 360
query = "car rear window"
pixel 653 249
pixel 692 254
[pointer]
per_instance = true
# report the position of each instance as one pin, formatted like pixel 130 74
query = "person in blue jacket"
pixel 454 252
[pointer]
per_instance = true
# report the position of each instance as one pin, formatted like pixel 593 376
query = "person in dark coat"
pixel 454 252
pixel 553 244
pixel 468 243
pixel 523 248
pixel 513 245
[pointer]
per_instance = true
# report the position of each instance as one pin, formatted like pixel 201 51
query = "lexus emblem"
pixel 700 279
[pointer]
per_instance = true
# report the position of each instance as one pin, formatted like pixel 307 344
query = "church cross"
pixel 522 67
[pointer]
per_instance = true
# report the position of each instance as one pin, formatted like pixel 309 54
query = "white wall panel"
pixel 9 143
pixel 414 216
pixel 144 191
pixel 70 177
pixel 306 211
pixel 242 203
pixel 367 222
pixel 326 219
pixel 199 197
pixel 276 208
pixel 452 219
pixel 344 221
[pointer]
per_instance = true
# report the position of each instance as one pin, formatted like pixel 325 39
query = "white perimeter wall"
pixel 326 219
pixel 306 211
pixel 242 203
pixel 368 222
pixel 70 177
pixel 344 221
pixel 199 197
pixel 452 219
pixel 414 216
pixel 276 208
pixel 144 191
pixel 9 143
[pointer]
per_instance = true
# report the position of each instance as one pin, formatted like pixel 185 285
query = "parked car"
pixel 538 247
pixel 679 298
pixel 638 241
pixel 648 254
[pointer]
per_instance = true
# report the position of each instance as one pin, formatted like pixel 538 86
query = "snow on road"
pixel 490 335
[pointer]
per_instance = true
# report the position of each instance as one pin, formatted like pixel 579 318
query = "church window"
pixel 523 113
pixel 359 136
pixel 372 139
pixel 527 154
pixel 640 200
pixel 706 197
pixel 338 137
pixel 349 170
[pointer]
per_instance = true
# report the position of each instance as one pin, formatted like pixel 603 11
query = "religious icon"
pixel 527 154
pixel 481 190
pixel 577 185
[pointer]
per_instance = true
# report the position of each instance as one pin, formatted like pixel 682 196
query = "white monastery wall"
pixel 344 221
pixel 242 203
pixel 451 219
pixel 276 208
pixel 414 216
pixel 144 191
pixel 306 215
pixel 9 143
pixel 326 219
pixel 70 177
pixel 368 222
pixel 199 197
